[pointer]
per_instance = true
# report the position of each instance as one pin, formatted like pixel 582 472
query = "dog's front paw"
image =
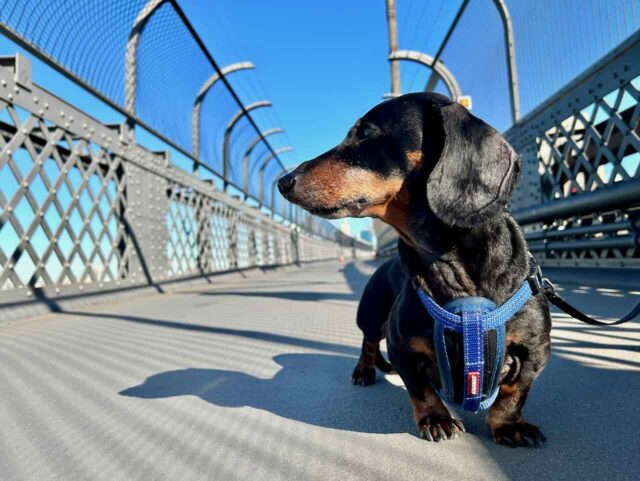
pixel 518 434
pixel 436 428
pixel 363 376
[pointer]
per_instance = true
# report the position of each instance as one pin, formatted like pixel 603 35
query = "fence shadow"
pixel 354 276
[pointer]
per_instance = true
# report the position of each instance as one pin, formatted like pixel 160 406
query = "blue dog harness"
pixel 470 343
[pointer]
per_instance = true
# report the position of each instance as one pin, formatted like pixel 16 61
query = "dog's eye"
pixel 367 131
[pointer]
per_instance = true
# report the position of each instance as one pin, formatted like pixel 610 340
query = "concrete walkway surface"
pixel 249 380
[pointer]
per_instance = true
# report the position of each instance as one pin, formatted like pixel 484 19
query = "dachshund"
pixel 441 178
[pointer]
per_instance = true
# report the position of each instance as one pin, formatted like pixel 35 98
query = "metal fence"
pixel 190 105
pixel 538 45
pixel 86 210
pixel 561 79
pixel 579 192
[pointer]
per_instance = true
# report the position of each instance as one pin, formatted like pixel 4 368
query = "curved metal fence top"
pixel 144 59
pixel 553 42
pixel 131 54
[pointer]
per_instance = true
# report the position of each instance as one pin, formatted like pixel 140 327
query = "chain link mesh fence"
pixel 144 60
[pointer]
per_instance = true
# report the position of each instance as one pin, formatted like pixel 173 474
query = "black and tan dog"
pixel 441 177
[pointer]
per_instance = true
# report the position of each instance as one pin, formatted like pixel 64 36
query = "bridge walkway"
pixel 249 379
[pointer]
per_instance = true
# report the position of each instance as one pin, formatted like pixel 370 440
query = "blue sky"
pixel 323 64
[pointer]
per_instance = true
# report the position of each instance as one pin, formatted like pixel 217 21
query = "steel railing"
pixel 85 210
pixel 578 196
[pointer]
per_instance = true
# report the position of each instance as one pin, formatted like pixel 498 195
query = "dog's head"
pixel 418 151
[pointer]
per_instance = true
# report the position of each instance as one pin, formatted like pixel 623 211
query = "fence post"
pixel 226 145
pixel 145 221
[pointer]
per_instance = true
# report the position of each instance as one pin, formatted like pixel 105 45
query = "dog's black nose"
pixel 286 183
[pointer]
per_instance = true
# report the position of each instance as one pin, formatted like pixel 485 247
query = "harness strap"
pixel 490 320
pixel 472 319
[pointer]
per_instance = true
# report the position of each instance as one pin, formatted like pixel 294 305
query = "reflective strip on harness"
pixel 473 341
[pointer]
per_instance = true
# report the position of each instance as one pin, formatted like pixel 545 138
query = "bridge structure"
pixel 164 314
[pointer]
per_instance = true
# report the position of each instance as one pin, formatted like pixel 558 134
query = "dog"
pixel 441 178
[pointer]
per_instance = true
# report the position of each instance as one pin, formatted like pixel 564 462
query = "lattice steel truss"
pixel 592 148
pixel 579 190
pixel 581 150
pixel 84 209
pixel 61 199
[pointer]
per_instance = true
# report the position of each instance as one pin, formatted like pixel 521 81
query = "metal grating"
pixel 584 141
pixel 593 148
pixel 84 209
pixel 62 201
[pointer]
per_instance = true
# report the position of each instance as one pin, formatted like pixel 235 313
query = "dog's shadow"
pixel 311 388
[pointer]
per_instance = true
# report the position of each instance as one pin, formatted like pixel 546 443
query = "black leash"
pixel 539 283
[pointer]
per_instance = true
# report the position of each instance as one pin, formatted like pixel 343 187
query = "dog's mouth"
pixel 353 208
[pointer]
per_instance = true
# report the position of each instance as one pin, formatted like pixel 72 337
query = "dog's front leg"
pixel 433 420
pixel 505 415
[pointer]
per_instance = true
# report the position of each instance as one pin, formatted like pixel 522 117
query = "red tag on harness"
pixel 473 383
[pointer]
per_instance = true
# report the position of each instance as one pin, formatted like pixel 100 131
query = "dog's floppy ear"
pixel 476 172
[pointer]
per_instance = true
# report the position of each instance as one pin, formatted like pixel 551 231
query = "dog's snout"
pixel 286 183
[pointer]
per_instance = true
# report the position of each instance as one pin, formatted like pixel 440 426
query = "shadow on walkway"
pixel 588 412
pixel 244 333
pixel 588 417
pixel 589 421
pixel 308 296
pixel 310 388
pixel 355 278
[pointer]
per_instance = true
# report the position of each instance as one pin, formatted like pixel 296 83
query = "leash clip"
pixel 547 285
pixel 535 279
pixel 538 282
